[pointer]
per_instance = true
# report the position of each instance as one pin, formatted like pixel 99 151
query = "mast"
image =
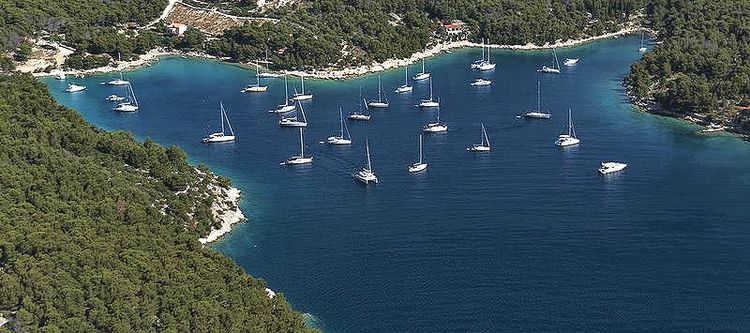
pixel 420 148
pixel 484 135
pixel 380 97
pixel 571 128
pixel 301 144
pixel 431 89
pixel 341 120
pixel 406 76
pixel 132 94
pixel 286 91
pixel 557 63
pixel 538 98
pixel 303 83
pixel 303 112
pixel 257 74
pixel 367 148
pixel 422 65
pixel 482 49
pixel 221 116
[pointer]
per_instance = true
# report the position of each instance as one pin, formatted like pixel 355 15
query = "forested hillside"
pixel 703 65
pixel 94 235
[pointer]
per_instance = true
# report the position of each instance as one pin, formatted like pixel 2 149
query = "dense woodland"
pixel 93 236
pixel 703 65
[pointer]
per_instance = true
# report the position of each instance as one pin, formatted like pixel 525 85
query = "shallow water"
pixel 526 238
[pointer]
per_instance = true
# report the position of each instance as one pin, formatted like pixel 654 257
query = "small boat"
pixel 60 76
pixel 301 96
pixel 359 114
pixel 405 88
pixel 479 82
pixel 431 102
pixel 484 146
pixel 555 69
pixel 72 87
pixel 711 128
pixel 538 113
pixel 380 103
pixel 257 87
pixel 301 158
pixel 131 103
pixel 571 61
pixel 366 175
pixel 221 137
pixel 643 47
pixel 436 127
pixel 293 121
pixel 423 75
pixel 115 98
pixel 570 138
pixel 286 107
pixel 611 167
pixel 344 138
pixel 418 166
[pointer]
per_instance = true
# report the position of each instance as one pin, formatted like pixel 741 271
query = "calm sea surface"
pixel 526 238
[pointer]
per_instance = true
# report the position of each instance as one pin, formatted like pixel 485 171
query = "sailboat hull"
pixel 219 139
pixel 125 107
pixel 378 105
pixel 365 177
pixel 338 141
pixel 255 89
pixel 302 97
pixel 567 141
pixel 404 89
pixel 118 82
pixel 421 76
pixel 478 148
pixel 299 160
pixel 417 167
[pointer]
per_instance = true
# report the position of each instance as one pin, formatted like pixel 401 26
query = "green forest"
pixel 703 65
pixel 94 237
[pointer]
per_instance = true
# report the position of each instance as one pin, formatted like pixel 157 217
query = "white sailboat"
pixel 220 137
pixel 301 158
pixel 642 48
pixel 366 175
pixel 301 96
pixel 72 87
pixel 538 113
pixel 420 165
pixel 267 73
pixel 487 65
pixel 555 69
pixel 431 102
pixel 484 146
pixel 380 103
pixel 293 121
pixel 477 63
pixel 130 105
pixel 405 88
pixel 436 127
pixel 118 82
pixel 423 75
pixel 362 113
pixel 257 87
pixel 286 107
pixel 612 167
pixel 344 138
pixel 569 139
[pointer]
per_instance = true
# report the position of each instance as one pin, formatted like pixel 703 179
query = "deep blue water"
pixel 526 238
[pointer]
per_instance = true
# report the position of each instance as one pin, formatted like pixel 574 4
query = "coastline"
pixel 225 208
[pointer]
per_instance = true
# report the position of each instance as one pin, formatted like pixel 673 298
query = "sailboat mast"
pixel 538 98
pixel 367 148
pixel 286 91
pixel 303 84
pixel 422 65
pixel 482 49
pixel 257 74
pixel 406 76
pixel 431 89
pixel 380 97
pixel 301 144
pixel 341 120
pixel 303 112
pixel 132 94
pixel 221 116
pixel 420 148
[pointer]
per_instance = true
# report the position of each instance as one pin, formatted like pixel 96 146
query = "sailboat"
pixel 487 65
pixel 267 73
pixel 293 121
pixel 341 139
pixel 366 175
pixel 116 81
pixel 360 114
pixel 405 88
pixel 429 103
pixel 257 87
pixel 418 166
pixel 301 96
pixel 379 103
pixel 301 158
pixel 477 63
pixel 286 107
pixel 569 139
pixel 551 70
pixel 642 48
pixel 72 87
pixel 219 137
pixel 436 127
pixel 131 105
pixel 538 113
pixel 483 146
pixel 423 75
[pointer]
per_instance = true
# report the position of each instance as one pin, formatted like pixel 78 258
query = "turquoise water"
pixel 526 238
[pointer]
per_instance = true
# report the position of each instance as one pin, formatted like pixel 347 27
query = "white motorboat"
pixel 115 98
pixel 302 96
pixel 344 138
pixel 72 87
pixel 380 103
pixel 431 102
pixel 418 166
pixel 571 61
pixel 257 87
pixel 286 107
pixel 60 76
pixel 570 138
pixel 131 103
pixel 423 75
pixel 405 88
pixel 611 167
pixel 538 113
pixel 555 69
pixel 366 175
pixel 480 82
pixel 294 121
pixel 643 47
pixel 436 127
pixel 484 146
pixel 221 137
pixel 301 158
